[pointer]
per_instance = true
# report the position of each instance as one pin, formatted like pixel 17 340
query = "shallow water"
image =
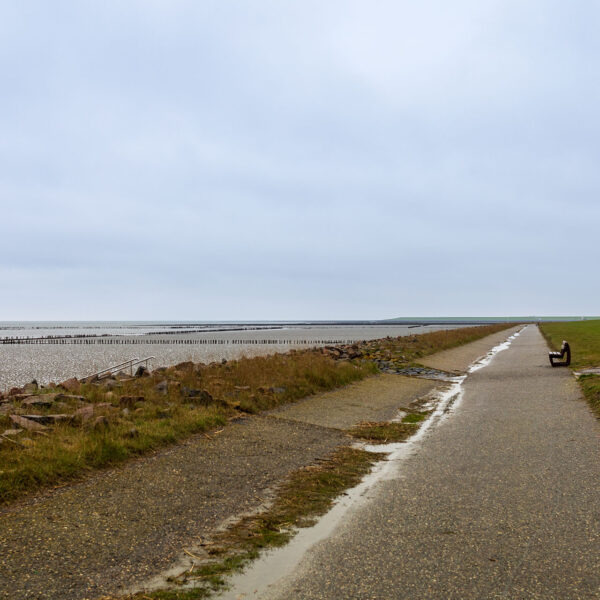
pixel 97 346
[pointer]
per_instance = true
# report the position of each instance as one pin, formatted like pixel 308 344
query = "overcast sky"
pixel 166 159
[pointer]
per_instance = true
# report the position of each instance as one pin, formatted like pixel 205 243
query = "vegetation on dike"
pixel 107 421
pixel 304 496
pixel 54 434
pixel 405 351
pixel 584 339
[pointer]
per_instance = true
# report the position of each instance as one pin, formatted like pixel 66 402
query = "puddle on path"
pixel 263 575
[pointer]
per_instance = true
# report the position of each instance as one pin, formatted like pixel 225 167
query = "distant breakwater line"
pixel 188 342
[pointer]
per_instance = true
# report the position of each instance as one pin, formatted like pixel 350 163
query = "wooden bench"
pixel 565 353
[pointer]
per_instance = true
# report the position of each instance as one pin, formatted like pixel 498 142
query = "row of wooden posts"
pixel 155 341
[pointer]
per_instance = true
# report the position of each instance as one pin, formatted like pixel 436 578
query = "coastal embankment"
pixel 122 526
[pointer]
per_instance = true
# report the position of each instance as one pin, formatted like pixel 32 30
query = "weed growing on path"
pixel 414 417
pixel 384 432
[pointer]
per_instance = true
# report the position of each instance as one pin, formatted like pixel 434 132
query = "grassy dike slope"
pixel 584 339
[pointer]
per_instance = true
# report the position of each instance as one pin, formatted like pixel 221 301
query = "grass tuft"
pixel 384 432
pixel 414 417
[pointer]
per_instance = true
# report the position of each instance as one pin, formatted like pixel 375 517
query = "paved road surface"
pixel 502 500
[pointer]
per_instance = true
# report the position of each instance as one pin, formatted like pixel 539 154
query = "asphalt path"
pixel 501 500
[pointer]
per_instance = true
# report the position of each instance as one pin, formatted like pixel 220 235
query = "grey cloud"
pixel 299 159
